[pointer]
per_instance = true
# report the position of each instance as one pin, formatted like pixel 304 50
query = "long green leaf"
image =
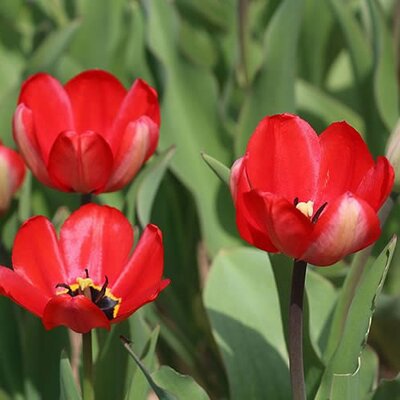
pixel 273 90
pixel 68 389
pixel 352 338
pixel 385 75
pixel 190 120
pixel 52 48
pixel 242 303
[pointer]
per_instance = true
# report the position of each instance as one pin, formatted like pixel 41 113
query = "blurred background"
pixel 219 66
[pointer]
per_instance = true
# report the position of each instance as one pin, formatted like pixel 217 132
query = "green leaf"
pixel 247 325
pixel 190 121
pixel 198 46
pixel 351 338
pixel 160 392
pixel 148 186
pixel 359 384
pixel 182 386
pixel 273 89
pixel 138 386
pixel 317 102
pixel 388 389
pixel 96 42
pixel 52 48
pixel 385 74
pixel 68 389
pixel 357 43
pixel 221 170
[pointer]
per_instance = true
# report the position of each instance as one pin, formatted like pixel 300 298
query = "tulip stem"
pixel 296 330
pixel 86 198
pixel 88 389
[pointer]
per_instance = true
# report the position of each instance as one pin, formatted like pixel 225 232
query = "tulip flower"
pixel 314 198
pixel 12 173
pixel 86 278
pixel 89 136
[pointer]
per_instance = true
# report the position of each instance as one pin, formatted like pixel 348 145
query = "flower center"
pixel 307 208
pixel 101 296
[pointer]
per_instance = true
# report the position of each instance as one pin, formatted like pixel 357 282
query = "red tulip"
pixel 90 135
pixel 86 278
pixel 314 198
pixel 12 173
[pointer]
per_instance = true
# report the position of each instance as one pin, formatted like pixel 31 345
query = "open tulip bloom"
pixel 86 278
pixel 314 198
pixel 91 135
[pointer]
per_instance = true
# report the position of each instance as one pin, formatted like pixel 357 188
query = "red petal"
pixel 77 313
pixel 377 184
pixel 284 157
pixel 80 162
pixel 98 238
pixel 51 109
pixel 144 269
pixel 95 97
pixel 130 305
pixel 12 173
pixel 36 255
pixel 135 148
pixel 349 224
pixel 24 136
pixel 288 229
pixel 248 220
pixel 23 293
pixel 140 100
pixel 345 159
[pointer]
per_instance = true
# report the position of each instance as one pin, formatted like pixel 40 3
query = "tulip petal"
pixel 51 109
pixel 134 149
pixel 96 238
pixel 347 225
pixel 77 313
pixel 289 230
pixel 95 98
pixel 80 162
pixel 130 305
pixel 22 292
pixel 140 100
pixel 36 255
pixel 248 220
pixel 144 269
pixel 24 136
pixel 345 159
pixel 283 157
pixel 12 173
pixel 377 184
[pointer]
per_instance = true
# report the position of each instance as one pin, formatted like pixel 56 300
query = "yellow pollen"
pixel 306 208
pixel 84 283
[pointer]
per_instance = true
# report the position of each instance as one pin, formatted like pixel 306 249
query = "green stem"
pixel 87 387
pixel 296 330
pixel 86 198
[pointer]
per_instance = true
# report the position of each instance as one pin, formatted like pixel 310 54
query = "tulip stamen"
pixel 100 296
pixel 102 292
pixel 319 212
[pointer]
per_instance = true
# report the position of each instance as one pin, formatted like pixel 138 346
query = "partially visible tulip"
pixel 314 198
pixel 393 154
pixel 88 277
pixel 12 173
pixel 89 136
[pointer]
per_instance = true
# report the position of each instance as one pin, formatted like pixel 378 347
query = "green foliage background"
pixel 219 66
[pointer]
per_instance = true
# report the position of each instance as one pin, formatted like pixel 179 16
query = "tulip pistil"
pixel 307 208
pixel 101 296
